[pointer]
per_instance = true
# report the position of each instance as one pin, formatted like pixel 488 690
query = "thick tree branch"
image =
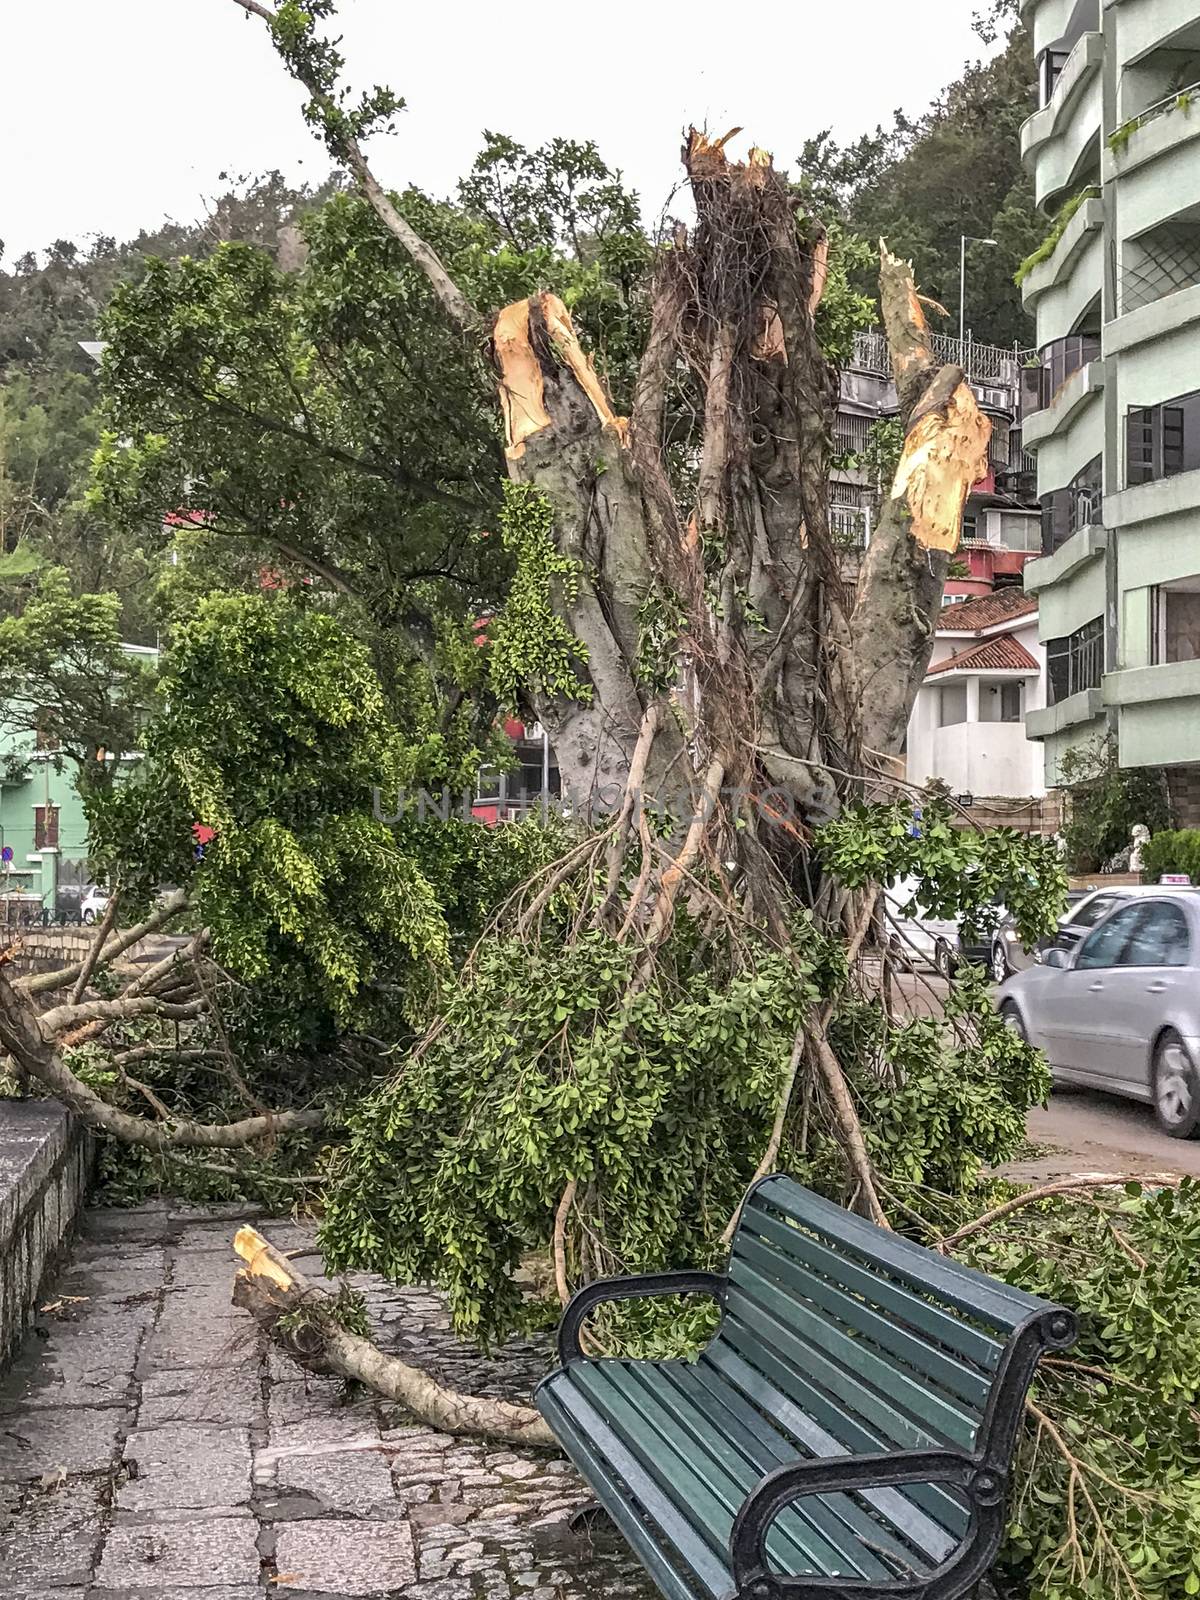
pixel 59 1018
pixel 269 1286
pixel 98 943
pixel 451 298
pixel 22 1036
pixel 47 982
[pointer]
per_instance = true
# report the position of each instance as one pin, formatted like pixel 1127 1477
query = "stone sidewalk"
pixel 153 1446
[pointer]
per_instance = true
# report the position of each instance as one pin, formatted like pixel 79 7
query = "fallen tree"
pixel 679 992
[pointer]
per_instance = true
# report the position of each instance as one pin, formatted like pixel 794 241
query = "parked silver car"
pixel 1121 1011
pixel 1085 908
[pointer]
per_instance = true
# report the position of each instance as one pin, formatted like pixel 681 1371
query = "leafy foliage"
pixel 1050 243
pixel 1172 850
pixel 273 731
pixel 531 646
pixel 1106 800
pixel 68 679
pixel 1105 1507
pixel 656 1098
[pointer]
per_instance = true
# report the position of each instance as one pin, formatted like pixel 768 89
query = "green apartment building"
pixel 1113 409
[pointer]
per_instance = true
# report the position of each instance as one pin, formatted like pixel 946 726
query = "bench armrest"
pixel 636 1288
pixel 983 1487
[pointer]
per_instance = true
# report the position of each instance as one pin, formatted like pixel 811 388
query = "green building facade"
pixel 1113 409
pixel 43 831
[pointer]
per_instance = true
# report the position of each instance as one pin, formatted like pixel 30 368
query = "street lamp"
pixel 964 240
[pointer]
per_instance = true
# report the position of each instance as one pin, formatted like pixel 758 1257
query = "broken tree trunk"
pixel 270 1287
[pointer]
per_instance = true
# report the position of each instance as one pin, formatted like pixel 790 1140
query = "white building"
pixel 967 725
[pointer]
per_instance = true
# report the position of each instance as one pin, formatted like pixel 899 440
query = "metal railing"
pixel 983 363
pixel 1177 100
pixel 850 527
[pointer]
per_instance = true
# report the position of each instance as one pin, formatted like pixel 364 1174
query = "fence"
pixel 982 363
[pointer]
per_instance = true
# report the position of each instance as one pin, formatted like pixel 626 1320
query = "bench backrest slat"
pixel 959 1379
pixel 930 1276
pixel 875 1371
pixel 933 1324
pixel 903 1340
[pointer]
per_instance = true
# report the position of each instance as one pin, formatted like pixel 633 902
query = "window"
pixel 1050 65
pixel 1075 662
pixel 1061 359
pixel 1175 621
pixel 952 704
pixel 1160 938
pixel 1079 505
pixel 1106 946
pixel 970 526
pixel 1089 912
pixel 1011 695
pixel 45 827
pixel 1162 440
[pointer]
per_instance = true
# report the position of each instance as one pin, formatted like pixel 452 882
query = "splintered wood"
pixel 522 387
pixel 945 452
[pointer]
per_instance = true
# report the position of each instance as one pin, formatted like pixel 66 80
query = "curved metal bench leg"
pixel 585 1517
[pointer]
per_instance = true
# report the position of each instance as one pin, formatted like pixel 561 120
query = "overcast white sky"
pixel 116 113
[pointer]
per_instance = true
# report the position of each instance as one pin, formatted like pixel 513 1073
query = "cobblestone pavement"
pixel 152 1445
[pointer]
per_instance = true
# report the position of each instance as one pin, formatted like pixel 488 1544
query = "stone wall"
pixel 44 1164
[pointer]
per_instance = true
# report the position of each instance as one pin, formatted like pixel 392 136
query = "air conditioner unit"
pixel 994 399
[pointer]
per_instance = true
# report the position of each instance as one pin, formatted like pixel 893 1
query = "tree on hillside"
pixel 924 182
pixel 49 420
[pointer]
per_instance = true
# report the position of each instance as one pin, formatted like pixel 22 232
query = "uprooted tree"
pixel 673 995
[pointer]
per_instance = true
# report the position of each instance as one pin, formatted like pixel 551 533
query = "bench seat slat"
pixel 842 1435
pixel 970 1292
pixel 949 1415
pixel 782 1433
pixel 678 1450
pixel 924 1335
pixel 704 1421
pixel 583 1432
pixel 872 1525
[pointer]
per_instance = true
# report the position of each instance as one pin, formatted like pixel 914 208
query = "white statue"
pixel 1139 840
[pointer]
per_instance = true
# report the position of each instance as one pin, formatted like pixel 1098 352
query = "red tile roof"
pixel 1001 654
pixel 986 610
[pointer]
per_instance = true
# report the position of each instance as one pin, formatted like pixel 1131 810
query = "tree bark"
pixel 269 1287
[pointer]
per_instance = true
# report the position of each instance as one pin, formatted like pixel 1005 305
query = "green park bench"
pixel 848 1431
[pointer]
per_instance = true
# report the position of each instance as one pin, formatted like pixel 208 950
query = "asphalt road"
pixel 1085 1130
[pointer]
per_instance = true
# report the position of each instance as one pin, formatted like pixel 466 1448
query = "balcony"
pixel 1070 374
pixel 1082 546
pixel 988 365
pixel 1061 142
pixel 1153 157
pixel 1058 23
pixel 987 758
pixel 1078 250
pixel 1159 712
pixel 1086 706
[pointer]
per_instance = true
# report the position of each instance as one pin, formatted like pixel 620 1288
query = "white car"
pixel 915 932
pixel 93 905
